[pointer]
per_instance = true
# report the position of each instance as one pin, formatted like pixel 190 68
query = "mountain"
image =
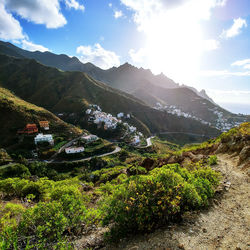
pixel 72 92
pixel 149 88
pixel 15 113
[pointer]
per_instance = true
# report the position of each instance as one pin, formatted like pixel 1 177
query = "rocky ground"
pixel 225 225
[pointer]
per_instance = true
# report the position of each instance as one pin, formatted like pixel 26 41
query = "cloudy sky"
pixel 201 43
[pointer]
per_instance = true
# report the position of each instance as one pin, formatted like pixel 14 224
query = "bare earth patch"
pixel 225 225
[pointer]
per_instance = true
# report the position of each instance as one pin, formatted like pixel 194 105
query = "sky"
pixel 200 43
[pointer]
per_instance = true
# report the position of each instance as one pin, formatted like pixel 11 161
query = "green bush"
pixel 144 201
pixel 48 223
pixel 17 170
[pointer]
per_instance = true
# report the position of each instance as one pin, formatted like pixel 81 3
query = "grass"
pixel 59 145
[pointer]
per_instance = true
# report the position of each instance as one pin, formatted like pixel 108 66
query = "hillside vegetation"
pixel 15 113
pixel 71 92
pixel 81 205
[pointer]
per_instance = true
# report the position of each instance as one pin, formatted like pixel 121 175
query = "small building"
pixel 30 128
pixel 132 129
pixel 44 125
pixel 90 138
pixel 120 115
pixel 44 138
pixel 74 150
pixel 88 111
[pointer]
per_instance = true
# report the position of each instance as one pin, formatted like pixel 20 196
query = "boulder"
pixel 244 155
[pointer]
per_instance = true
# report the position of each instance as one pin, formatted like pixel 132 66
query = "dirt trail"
pixel 225 225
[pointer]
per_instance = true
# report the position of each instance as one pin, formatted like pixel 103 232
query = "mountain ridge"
pixel 71 92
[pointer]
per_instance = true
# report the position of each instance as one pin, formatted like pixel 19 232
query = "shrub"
pixel 17 170
pixel 212 160
pixel 144 201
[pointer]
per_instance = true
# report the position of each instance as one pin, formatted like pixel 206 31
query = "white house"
pixel 88 111
pixel 132 129
pixel 41 138
pixel 120 115
pixel 74 150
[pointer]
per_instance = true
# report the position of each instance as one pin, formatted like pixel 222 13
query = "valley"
pixel 116 159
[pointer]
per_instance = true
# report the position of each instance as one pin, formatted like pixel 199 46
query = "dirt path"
pixel 225 225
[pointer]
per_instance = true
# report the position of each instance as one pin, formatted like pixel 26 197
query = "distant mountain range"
pixel 72 92
pixel 156 102
pixel 141 83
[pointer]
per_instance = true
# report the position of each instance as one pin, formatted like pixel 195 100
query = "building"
pixel 44 138
pixel 132 129
pixel 44 125
pixel 120 115
pixel 88 111
pixel 90 138
pixel 29 129
pixel 74 150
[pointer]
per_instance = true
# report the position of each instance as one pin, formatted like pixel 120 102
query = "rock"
pixel 181 246
pixel 86 187
pixel 173 159
pixel 204 230
pixel 148 163
pixel 244 154
pixel 223 148
pixel 190 155
pixel 227 185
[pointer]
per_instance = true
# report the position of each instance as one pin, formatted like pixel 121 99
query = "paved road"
pixel 149 142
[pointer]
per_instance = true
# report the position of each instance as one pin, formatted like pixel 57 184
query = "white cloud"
pixel 138 56
pixel 97 55
pixel 241 62
pixel 110 5
pixel 223 73
pixel 235 29
pixel 38 11
pixel 211 44
pixel 27 45
pixel 247 66
pixel 174 37
pixel 229 96
pixel 10 28
pixel 118 13
pixel 74 4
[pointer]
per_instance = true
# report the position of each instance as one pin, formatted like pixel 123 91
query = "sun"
pixel 174 43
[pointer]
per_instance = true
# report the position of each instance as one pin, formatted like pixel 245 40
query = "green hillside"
pixel 15 113
pixel 70 92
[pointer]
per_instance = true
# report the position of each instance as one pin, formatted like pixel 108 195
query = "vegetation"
pixel 49 88
pixel 52 212
pixel 16 113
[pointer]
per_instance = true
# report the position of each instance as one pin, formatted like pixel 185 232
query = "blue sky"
pixel 204 44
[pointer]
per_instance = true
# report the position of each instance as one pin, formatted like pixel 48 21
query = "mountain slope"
pixel 149 88
pixel 72 91
pixel 15 113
